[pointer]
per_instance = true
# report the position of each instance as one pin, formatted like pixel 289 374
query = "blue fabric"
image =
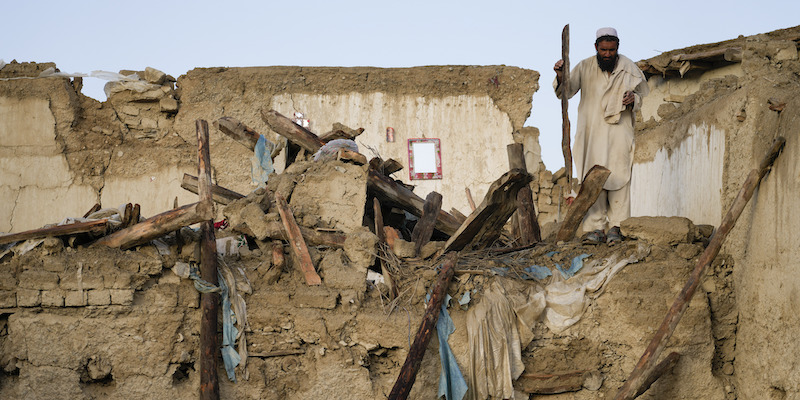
pixel 538 272
pixel 261 163
pixel 451 382
pixel 575 266
pixel 230 356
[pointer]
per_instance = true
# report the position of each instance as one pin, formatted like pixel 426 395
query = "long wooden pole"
pixel 565 90
pixel 96 227
pixel 209 302
pixel 408 373
pixel 158 225
pixel 643 368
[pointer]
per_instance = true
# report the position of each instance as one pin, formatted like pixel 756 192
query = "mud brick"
pixel 121 296
pixel 316 297
pixel 34 279
pixel 188 296
pixel 52 298
pixel 7 281
pixel 75 298
pixel 99 297
pixel 166 296
pixel 53 264
pixel 120 280
pixel 8 298
pixel 28 298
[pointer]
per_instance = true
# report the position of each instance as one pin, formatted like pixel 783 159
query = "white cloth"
pixel 604 133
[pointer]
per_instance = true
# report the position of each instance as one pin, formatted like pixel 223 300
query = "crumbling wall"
pixel 733 120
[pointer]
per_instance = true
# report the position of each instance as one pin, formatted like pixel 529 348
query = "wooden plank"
pixel 458 215
pixel 390 192
pixel 424 227
pixel 485 224
pixel 238 131
pixel 565 89
pixel 291 131
pixel 349 155
pixel 408 372
pixel 591 188
pixel 96 227
pixel 340 134
pixel 296 243
pixel 218 193
pixel 647 362
pixel 158 225
pixel 526 214
pixel 209 302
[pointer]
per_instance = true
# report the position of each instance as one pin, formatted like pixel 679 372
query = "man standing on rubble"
pixel 611 87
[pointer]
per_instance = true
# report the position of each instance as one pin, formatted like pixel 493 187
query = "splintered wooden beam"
pixel 218 193
pixel 209 302
pixel 424 228
pixel 379 231
pixel 291 131
pixel 388 191
pixel 528 223
pixel 340 134
pixel 158 225
pixel 591 188
pixel 97 227
pixel 276 230
pixel 408 372
pixel 643 369
pixel 296 243
pixel 352 156
pixel 484 225
pixel 238 131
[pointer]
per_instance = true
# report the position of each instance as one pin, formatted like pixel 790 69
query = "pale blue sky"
pixel 177 36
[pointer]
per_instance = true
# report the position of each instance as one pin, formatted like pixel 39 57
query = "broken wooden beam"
pixel 158 225
pixel 218 193
pixel 408 372
pixel 387 167
pixel 647 362
pixel 730 54
pixel 526 214
pixel 591 187
pixel 666 365
pixel 458 215
pixel 551 383
pixel 291 131
pixel 276 230
pixel 424 228
pixel 340 134
pixel 95 208
pixel 379 231
pixel 484 225
pixel 349 155
pixel 209 302
pixel 96 227
pixel 277 254
pixel 238 131
pixel 387 190
pixel 296 243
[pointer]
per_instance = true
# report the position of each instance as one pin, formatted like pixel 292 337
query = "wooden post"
pixel 565 90
pixel 590 189
pixel 97 227
pixel 528 223
pixel 238 131
pixel 296 243
pixel 408 373
pixel 209 302
pixel 485 224
pixel 643 368
pixel 158 225
pixel 424 227
pixel 218 193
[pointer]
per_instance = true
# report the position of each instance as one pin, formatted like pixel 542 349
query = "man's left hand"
pixel 628 98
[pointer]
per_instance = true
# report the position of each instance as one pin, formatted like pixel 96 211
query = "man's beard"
pixel 607 65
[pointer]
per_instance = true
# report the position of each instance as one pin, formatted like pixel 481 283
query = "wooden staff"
pixel 645 366
pixel 209 302
pixel 408 373
pixel 565 128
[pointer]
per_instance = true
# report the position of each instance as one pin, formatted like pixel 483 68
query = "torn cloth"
pixel 451 382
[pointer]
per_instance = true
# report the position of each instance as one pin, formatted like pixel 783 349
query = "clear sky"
pixel 177 36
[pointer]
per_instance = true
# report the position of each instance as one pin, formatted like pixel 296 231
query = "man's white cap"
pixel 608 31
